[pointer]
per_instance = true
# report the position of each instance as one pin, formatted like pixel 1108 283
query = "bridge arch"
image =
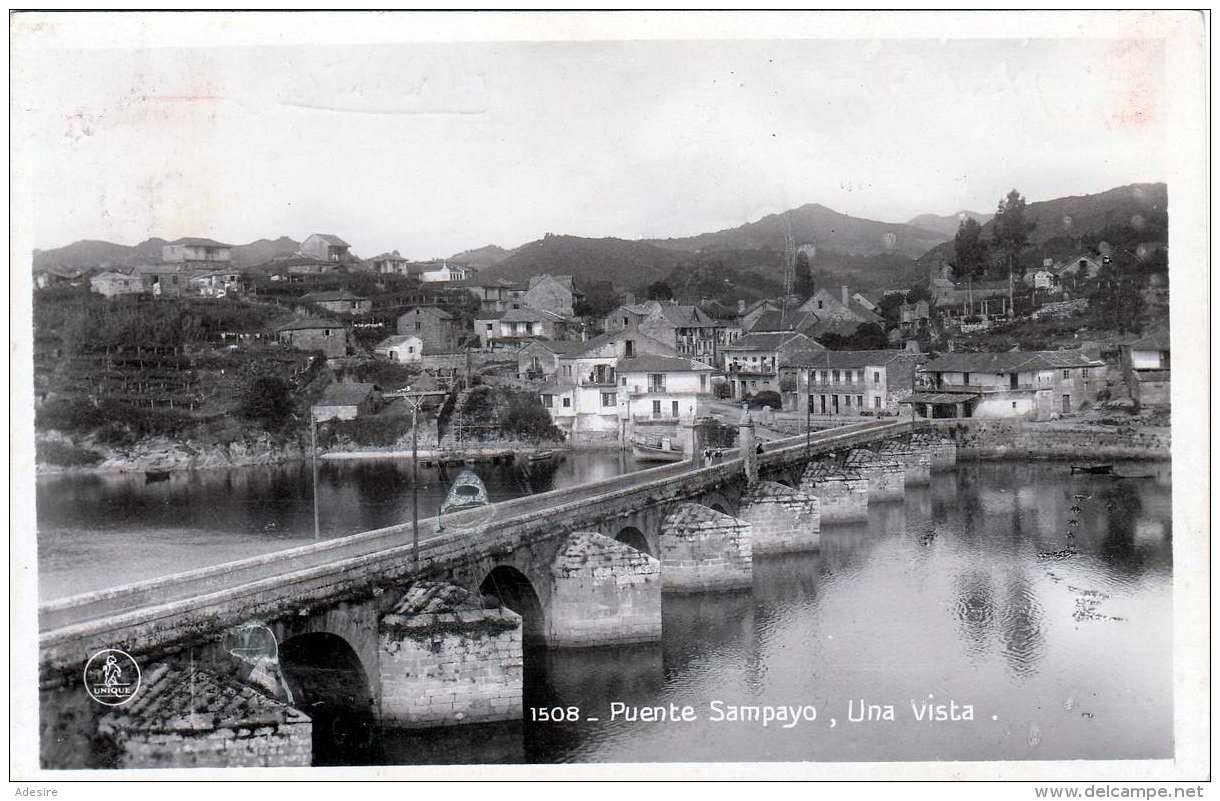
pixel 630 535
pixel 513 589
pixel 329 684
pixel 719 502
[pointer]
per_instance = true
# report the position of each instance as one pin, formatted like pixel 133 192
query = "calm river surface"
pixel 951 593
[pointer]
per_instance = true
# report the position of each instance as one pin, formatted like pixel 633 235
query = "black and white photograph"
pixel 593 395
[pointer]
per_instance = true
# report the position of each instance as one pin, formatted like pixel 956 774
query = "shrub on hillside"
pixel 66 454
pixel 268 401
pixel 523 416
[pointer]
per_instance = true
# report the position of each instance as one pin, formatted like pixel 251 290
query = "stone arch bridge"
pixel 375 629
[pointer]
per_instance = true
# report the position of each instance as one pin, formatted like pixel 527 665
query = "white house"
pixel 192 248
pixel 400 348
pixel 445 272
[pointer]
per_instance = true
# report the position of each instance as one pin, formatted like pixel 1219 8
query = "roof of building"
pixel 158 269
pixel 939 397
pixel 558 346
pixel 346 394
pixel 775 321
pixel 331 295
pixel 184 699
pixel 115 274
pixel 1008 361
pixel 394 340
pixel 651 363
pixel 308 323
pixel 388 256
pixel 331 239
pixel 1156 340
pixel 631 332
pixel 199 242
pixel 527 314
pixel 807 357
pixel 435 311
pixel 766 341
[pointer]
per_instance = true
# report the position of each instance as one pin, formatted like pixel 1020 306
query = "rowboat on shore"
pixel 155 475
pixel 662 450
pixel 1093 468
pixel 541 457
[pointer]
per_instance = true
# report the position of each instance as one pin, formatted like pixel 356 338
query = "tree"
pixel 267 400
pixel 659 290
pixel 802 285
pixel 970 252
pixel 1010 230
pixel 1119 294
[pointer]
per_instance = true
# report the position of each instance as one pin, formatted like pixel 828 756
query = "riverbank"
pixel 1055 440
pixel 164 454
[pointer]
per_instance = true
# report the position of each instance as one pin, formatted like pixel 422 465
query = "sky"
pixel 430 148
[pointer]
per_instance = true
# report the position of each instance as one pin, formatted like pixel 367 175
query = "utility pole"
pixel 313 454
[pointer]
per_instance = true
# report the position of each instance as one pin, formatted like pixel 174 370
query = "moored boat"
pixel 662 450
pixel 1092 468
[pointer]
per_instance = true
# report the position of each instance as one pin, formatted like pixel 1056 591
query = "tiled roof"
pixel 308 323
pixel 767 341
pixel 807 357
pixel 1157 340
pixel 181 699
pixel 199 242
pixel 1008 361
pixel 625 333
pixel 436 311
pixel 394 340
pixel 560 346
pixel 346 394
pixel 650 363
pixel 331 239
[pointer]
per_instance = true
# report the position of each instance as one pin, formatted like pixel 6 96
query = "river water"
pixel 964 592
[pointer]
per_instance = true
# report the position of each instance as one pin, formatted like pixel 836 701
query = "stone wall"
pixel 1014 439
pixel 842 493
pixel 781 518
pixel 941 450
pixel 446 660
pixel 916 462
pixel 603 592
pixel 702 549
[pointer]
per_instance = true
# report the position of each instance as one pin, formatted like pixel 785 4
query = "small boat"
pixel 660 451
pixel 155 475
pixel 1093 468
pixel 541 456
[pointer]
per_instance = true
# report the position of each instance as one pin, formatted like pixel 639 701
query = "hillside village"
pixel 242 347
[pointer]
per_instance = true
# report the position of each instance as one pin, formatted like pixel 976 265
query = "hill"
pixel 620 261
pixel 1062 224
pixel 92 253
pixel 946 224
pixel 817 225
pixel 481 258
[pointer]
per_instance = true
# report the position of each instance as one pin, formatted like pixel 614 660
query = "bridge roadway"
pixel 69 627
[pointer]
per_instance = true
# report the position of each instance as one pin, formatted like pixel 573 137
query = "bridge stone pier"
pixel 781 518
pixel 842 492
pixel 367 631
pixel 941 450
pixel 702 549
pixel 886 476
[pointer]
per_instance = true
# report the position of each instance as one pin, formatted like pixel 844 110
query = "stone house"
pixel 552 293
pixel 339 301
pixel 400 348
pixel 111 284
pixel 1146 368
pixel 196 249
pixel 539 359
pixel 656 389
pixel 752 363
pixel 826 306
pixel 517 325
pixel 164 280
pixel 219 284
pixel 439 330
pixel 326 247
pixel 748 314
pixel 347 401
pixel 390 264
pixel 686 328
pixel 1034 385
pixel 1041 278
pixel 1080 268
pixel 313 333
pixel 847 382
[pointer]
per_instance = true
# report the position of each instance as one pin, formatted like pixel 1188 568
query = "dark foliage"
pixel 66 454
pixel 267 400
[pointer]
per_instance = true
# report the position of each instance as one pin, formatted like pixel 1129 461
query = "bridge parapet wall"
pixel 602 592
pixel 781 518
pixel 446 660
pixel 702 549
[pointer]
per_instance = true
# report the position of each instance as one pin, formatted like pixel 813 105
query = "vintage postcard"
pixel 603 395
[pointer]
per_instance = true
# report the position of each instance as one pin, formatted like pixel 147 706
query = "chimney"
pixel 741 307
pixel 628 298
pixel 846 301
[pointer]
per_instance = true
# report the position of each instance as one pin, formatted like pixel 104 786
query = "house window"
pixel 489 328
pixel 418 325
pixel 624 380
pixel 702 383
pixel 966 378
pixel 860 401
pixel 835 375
pixel 656 408
pixel 609 399
pixel 847 401
pixel 548 401
pixel 629 348
pixel 567 403
pixel 326 332
pixel 1067 373
pixel 860 376
pixel 876 401
pixel 1084 372
pixel 410 348
pixel 876 376
pixel 675 408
